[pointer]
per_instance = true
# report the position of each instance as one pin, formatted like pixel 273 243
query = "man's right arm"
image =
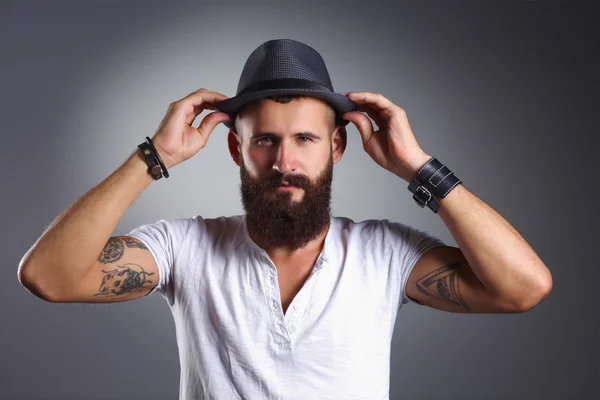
pixel 77 260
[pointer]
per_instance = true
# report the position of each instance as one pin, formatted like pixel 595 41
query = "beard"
pixel 275 218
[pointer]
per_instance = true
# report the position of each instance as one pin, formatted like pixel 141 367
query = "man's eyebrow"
pixel 256 135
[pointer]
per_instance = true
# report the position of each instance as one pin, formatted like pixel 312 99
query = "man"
pixel 286 301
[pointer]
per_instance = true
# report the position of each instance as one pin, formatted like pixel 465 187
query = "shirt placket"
pixel 280 333
pixel 286 325
pixel 296 309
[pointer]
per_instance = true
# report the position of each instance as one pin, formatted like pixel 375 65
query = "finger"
pixel 362 123
pixel 374 99
pixel 198 101
pixel 208 123
pixel 204 92
pixel 374 113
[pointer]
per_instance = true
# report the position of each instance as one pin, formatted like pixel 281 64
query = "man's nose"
pixel 285 160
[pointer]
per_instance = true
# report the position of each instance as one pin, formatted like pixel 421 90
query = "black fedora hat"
pixel 285 67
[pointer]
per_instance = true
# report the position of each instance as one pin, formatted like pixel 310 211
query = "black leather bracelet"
pixel 434 180
pixel 153 167
pixel 162 165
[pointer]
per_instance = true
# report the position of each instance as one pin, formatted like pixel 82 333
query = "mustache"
pixel 295 180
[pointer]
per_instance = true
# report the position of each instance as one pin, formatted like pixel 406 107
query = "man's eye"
pixel 303 139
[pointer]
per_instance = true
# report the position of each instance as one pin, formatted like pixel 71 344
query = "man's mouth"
pixel 286 186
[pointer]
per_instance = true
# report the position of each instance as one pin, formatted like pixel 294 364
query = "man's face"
pixel 286 170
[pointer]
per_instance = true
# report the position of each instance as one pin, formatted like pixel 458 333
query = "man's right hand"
pixel 176 139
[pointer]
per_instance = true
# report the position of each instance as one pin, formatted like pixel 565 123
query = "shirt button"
pixel 292 329
pixel 295 307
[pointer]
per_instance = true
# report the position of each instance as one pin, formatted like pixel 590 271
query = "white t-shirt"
pixel 233 338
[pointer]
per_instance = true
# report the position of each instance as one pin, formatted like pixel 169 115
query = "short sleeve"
pixel 408 244
pixel 164 239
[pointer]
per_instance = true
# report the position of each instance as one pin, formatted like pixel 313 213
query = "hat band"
pixel 289 83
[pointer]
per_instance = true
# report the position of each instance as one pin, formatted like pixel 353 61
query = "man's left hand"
pixel 393 146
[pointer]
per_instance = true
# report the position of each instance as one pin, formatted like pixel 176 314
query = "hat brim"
pixel 340 103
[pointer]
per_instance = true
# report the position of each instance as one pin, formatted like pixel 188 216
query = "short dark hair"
pixel 331 114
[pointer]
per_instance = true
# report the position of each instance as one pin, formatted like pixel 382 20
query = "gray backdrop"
pixel 504 93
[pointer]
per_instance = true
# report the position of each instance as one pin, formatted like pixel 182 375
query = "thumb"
pixel 362 123
pixel 209 123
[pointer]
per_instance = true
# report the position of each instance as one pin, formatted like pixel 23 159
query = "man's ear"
pixel 339 140
pixel 234 142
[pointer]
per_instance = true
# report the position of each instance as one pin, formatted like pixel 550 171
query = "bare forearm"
pixel 500 257
pixel 68 248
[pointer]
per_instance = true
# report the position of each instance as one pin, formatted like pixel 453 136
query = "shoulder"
pixel 179 228
pixel 382 229
pixel 216 227
pixel 384 237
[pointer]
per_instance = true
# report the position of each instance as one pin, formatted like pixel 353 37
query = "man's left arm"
pixel 493 270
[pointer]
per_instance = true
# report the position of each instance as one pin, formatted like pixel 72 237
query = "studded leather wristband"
pixel 153 167
pixel 434 180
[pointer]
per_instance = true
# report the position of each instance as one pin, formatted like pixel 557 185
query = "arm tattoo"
pixel 133 243
pixel 124 280
pixel 442 284
pixel 113 250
